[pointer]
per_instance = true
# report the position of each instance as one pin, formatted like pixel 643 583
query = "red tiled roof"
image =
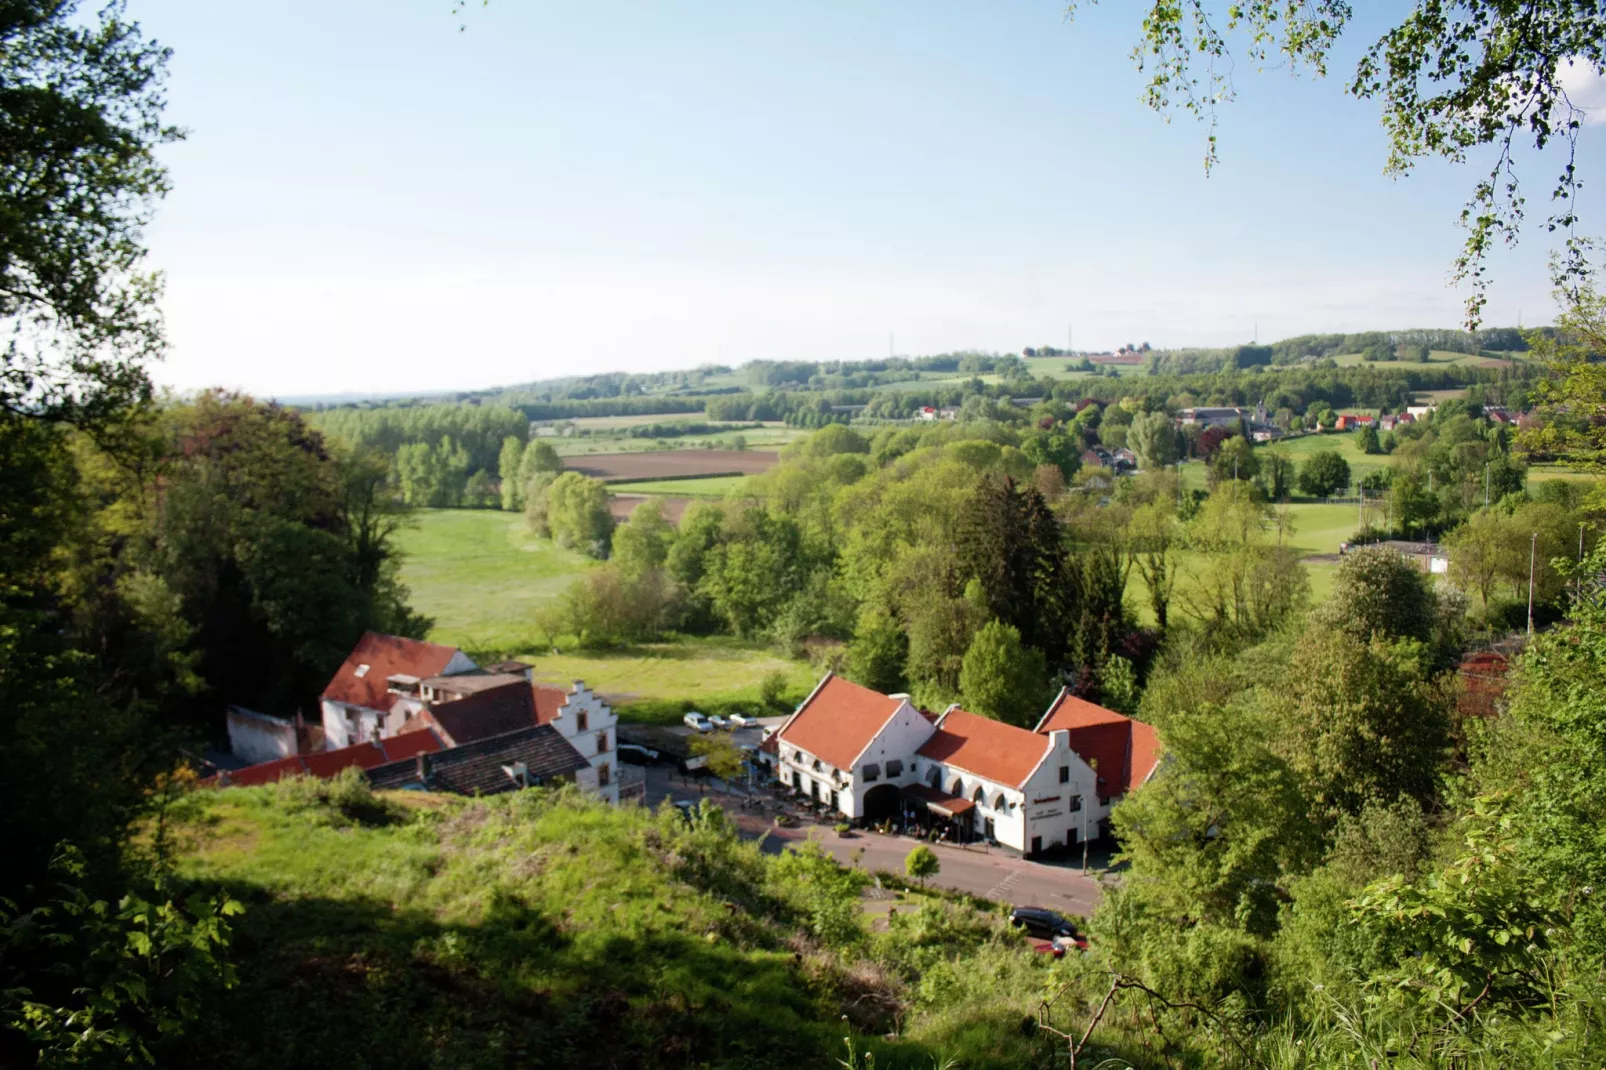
pixel 385 656
pixel 548 700
pixel 992 749
pixel 329 763
pixel 485 713
pixel 952 805
pixel 839 720
pixel 1122 750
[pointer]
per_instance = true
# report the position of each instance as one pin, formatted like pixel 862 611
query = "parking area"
pixel 989 872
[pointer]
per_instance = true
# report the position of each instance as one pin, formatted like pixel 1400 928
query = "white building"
pixel 590 725
pixel 872 756
pixel 375 692
pixel 1212 417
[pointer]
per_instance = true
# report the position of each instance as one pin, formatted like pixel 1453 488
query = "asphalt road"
pixel 992 873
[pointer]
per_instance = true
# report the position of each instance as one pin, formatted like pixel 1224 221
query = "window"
pixel 581 721
pixel 894 767
pixel 935 778
pixel 977 798
pixel 602 742
pixel 817 765
pixel 603 775
pixel 999 802
pixel 1076 803
pixel 361 671
pixel 1065 774
pixel 797 756
pixel 958 790
pixel 872 773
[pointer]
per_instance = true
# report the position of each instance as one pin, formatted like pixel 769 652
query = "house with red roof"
pixel 377 690
pixel 870 756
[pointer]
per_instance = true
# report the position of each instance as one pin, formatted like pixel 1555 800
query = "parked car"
pixel 717 721
pixel 697 721
pixel 1045 924
pixel 744 720
pixel 637 755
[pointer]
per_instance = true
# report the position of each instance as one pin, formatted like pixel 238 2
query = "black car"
pixel 1044 924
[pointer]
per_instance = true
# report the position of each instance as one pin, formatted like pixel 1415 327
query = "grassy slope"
pixel 482 575
pixel 509 931
pixel 661 681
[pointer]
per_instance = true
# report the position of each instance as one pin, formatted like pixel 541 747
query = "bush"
pixel 922 864
pixel 345 799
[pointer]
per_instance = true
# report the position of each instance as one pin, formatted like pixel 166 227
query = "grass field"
pixel 1436 359
pixel 482 575
pixel 715 487
pixel 1346 443
pixel 769 437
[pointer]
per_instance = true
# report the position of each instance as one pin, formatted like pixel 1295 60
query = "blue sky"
pixel 370 200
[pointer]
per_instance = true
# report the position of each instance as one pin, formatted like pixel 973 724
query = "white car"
pixel 697 721
pixel 717 721
pixel 744 720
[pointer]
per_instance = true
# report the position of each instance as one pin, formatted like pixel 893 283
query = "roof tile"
pixel 839 720
pixel 1000 752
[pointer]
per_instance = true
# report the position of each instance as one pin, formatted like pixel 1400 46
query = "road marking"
pixel 998 891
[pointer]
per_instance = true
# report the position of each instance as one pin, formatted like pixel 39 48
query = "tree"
pixel 1452 77
pixel 1361 719
pixel 80 119
pixel 642 543
pixel 1479 552
pixel 507 467
pixel 1278 469
pixel 1155 538
pixel 1153 437
pixel 578 514
pixel 1002 678
pixel 879 651
pixel 1572 401
pixel 1366 439
pixel 1379 592
pixel 722 757
pixel 1236 459
pixel 1324 474
pixel 922 863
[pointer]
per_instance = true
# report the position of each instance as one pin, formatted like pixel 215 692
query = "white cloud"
pixel 1585 86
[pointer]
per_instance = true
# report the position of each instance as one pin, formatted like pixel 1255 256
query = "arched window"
pixel 999 803
pixel 935 778
pixel 958 790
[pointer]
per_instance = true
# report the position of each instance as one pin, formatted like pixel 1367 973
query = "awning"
pixel 939 802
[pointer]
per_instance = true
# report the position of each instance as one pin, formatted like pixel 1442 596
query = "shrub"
pixel 345 799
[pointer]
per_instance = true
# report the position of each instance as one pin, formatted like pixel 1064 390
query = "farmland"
pixel 711 487
pixel 674 464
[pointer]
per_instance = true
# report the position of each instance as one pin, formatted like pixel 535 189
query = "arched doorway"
pixel 882 802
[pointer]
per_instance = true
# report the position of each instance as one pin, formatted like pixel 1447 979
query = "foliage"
pixel 1001 678
pixel 642 544
pixel 81 120
pixel 1452 78
pixel 1571 400
pixel 577 513
pixel 724 759
pixel 1379 592
pixel 922 863
pixel 1324 474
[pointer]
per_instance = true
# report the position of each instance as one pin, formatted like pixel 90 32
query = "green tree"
pixel 720 754
pixel 1379 592
pixel 922 864
pixel 642 543
pixel 1153 437
pixel 1366 438
pixel 578 514
pixel 1324 474
pixel 1361 720
pixel 879 651
pixel 1001 677
pixel 1277 469
pixel 80 119
pixel 1236 459
pixel 507 467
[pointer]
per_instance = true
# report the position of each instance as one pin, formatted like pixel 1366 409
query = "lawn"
pixel 715 487
pixel 482 575
pixel 1347 444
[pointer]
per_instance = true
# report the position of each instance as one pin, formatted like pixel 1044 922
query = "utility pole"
pixel 1084 835
pixel 1533 549
pixel 1486 484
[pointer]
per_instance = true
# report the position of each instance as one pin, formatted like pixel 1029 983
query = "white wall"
pixel 344 724
pixel 601 722
pixel 257 737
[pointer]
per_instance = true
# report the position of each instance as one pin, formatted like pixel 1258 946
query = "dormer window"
pixel 362 670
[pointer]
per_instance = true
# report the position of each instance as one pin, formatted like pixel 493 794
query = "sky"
pixel 382 196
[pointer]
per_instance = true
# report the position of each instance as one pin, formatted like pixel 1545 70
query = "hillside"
pixel 539 929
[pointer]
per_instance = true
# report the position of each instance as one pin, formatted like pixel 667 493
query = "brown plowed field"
pixel 622 505
pixel 672 464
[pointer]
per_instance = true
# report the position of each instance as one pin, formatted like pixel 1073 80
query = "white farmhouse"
pixel 589 724
pixel 375 692
pixel 872 756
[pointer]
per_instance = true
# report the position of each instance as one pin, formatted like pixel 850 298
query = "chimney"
pixel 423 769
